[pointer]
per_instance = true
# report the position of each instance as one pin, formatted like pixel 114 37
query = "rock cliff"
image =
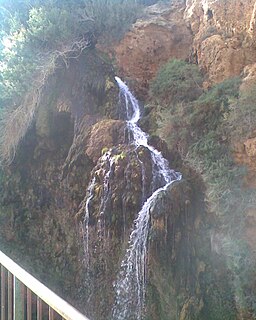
pixel 218 36
pixel 162 35
pixel 44 202
pixel 45 189
pixel 224 36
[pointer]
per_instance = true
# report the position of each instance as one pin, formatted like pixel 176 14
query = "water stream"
pixel 130 287
pixel 86 221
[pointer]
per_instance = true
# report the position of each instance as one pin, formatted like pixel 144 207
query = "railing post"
pixel 3 294
pixel 29 304
pixel 39 309
pixel 51 314
pixel 18 300
pixel 10 296
pixel 14 294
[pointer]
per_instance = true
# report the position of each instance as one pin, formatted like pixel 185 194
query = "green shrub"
pixel 109 18
pixel 177 81
pixel 34 30
pixel 203 131
pixel 38 35
pixel 184 124
pixel 241 118
pixel 198 130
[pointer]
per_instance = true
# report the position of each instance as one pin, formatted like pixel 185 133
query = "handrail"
pixel 63 308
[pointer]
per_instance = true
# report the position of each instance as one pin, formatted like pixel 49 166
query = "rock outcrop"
pixel 162 35
pixel 219 36
pixel 42 189
pixel 77 131
pixel 76 136
pixel 224 36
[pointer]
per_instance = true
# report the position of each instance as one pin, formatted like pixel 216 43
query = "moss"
pixel 104 150
pixel 109 84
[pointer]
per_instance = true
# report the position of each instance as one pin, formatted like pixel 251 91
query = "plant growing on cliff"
pixel 197 128
pixel 177 81
pixel 241 118
pixel 203 129
pixel 31 31
pixel 39 36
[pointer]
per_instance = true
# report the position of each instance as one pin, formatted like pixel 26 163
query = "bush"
pixel 198 130
pixel 33 30
pixel 203 130
pixel 109 18
pixel 38 34
pixel 184 124
pixel 177 81
pixel 241 118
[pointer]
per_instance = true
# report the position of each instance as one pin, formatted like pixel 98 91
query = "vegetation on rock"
pixel 37 38
pixel 202 129
pixel 177 81
pixel 59 123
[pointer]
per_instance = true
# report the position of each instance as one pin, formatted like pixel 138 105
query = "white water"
pixel 108 162
pixel 130 287
pixel 86 220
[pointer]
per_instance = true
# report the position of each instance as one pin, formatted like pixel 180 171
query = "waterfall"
pixel 130 287
pixel 108 160
pixel 86 221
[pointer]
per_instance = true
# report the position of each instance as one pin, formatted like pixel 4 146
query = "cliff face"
pixel 42 189
pixel 64 157
pixel 224 36
pixel 45 190
pixel 162 35
pixel 218 36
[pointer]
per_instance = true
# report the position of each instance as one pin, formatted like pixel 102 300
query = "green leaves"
pixel 177 81
pixel 33 30
pixel 241 118
pixel 197 126
pixel 50 28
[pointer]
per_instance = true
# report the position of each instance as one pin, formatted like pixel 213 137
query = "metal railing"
pixel 25 298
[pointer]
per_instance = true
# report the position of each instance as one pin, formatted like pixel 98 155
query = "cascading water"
pixel 131 284
pixel 107 161
pixel 130 287
pixel 86 221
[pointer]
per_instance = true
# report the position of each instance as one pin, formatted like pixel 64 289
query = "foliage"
pixel 241 118
pixel 35 37
pixel 242 264
pixel 203 130
pixel 184 124
pixel 109 17
pixel 198 129
pixel 32 30
pixel 177 81
pixel 218 298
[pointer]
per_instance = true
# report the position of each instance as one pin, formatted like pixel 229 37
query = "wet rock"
pixel 103 136
pixel 42 189
pixel 162 35
pixel 224 40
